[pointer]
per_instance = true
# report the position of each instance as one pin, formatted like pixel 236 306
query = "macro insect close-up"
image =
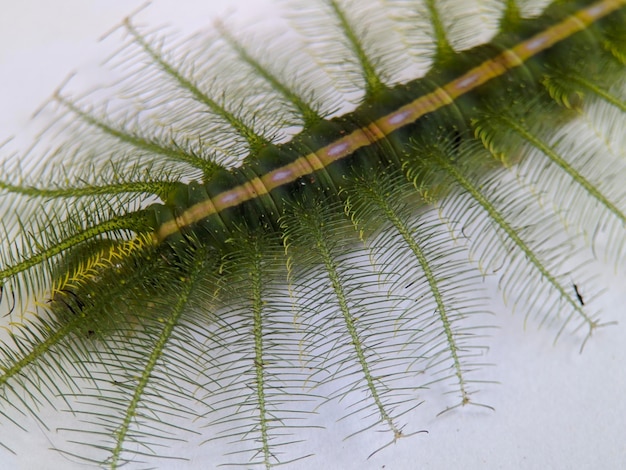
pixel 297 237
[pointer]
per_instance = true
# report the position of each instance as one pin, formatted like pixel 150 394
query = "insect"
pixel 241 270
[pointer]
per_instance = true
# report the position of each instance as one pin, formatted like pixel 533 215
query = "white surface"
pixel 554 408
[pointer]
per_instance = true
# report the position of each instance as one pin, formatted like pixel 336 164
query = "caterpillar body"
pixel 298 257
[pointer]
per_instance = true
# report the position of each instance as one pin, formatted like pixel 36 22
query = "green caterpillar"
pixel 282 269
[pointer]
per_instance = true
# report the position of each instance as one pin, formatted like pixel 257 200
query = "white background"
pixel 554 408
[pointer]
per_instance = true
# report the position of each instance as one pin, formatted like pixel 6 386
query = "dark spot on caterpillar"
pixel 59 297
pixel 578 294
pixel 66 304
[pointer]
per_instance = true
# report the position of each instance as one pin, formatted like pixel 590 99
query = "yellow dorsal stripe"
pixel 405 115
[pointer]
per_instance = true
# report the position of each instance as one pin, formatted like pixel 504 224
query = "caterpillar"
pixel 224 248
